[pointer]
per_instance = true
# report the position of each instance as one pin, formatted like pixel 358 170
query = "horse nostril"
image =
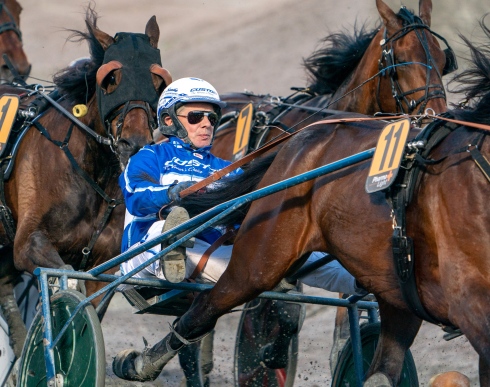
pixel 126 147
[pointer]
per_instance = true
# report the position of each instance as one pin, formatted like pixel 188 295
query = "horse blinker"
pixel 132 83
pixel 451 62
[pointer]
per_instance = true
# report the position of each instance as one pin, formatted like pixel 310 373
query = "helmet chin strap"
pixel 177 128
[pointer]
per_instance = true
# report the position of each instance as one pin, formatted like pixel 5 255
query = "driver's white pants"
pixel 332 276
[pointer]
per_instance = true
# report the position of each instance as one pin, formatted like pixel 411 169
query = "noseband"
pixel 387 65
pixel 10 25
pixel 120 114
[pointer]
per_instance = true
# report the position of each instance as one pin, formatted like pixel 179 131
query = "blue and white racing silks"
pixel 150 173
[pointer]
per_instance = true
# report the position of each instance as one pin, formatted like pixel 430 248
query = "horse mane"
pixel 228 189
pixel 474 82
pixel 77 81
pixel 329 67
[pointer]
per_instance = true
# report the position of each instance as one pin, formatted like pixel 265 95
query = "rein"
pixel 100 139
pixel 286 135
pixel 279 139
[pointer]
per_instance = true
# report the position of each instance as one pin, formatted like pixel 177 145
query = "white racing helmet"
pixel 181 91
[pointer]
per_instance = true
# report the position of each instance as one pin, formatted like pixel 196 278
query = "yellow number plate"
pixel 9 104
pixel 388 155
pixel 243 128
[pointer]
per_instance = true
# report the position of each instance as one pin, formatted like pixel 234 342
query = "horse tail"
pixel 229 188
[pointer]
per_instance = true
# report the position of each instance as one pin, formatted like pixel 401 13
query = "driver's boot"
pixel 173 263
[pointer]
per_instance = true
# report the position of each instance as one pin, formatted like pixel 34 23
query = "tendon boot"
pixel 130 364
pixel 173 263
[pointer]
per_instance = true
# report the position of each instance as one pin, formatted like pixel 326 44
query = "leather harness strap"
pixel 211 249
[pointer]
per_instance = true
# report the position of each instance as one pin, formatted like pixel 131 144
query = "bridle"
pixel 120 113
pixel 10 25
pixel 136 83
pixel 387 66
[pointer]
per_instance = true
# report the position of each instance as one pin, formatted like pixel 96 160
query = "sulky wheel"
pixel 344 372
pixel 79 355
pixel 263 323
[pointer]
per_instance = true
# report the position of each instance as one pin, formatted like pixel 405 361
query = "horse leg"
pixel 484 371
pixel 287 317
pixel 398 330
pixel 13 317
pixel 8 303
pixel 196 360
pixel 201 317
pixel 206 360
pixel 341 334
pixel 32 249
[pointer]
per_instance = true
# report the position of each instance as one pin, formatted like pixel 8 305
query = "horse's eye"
pixel 111 81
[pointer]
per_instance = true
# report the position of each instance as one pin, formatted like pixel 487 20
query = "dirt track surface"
pixel 251 45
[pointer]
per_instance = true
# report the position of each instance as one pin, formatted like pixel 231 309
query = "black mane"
pixel 475 82
pixel 329 67
pixel 77 82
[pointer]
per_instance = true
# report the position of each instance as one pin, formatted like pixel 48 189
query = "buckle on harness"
pixel 402 252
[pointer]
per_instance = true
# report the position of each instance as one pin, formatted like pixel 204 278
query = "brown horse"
pixel 14 65
pixel 357 74
pixel 447 218
pixel 60 186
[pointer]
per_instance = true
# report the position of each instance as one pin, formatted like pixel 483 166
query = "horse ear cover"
pixel 134 56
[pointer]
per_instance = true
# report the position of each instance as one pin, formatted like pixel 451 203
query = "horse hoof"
pixel 273 360
pixel 451 378
pixel 378 380
pixel 123 365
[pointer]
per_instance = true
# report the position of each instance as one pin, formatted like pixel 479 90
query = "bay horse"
pixel 61 201
pixel 14 65
pixel 396 67
pixel 447 218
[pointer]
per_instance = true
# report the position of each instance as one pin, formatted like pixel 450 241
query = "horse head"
pixel 412 62
pixel 129 83
pixel 120 83
pixel 13 59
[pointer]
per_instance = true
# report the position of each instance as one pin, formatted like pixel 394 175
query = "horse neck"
pixel 355 98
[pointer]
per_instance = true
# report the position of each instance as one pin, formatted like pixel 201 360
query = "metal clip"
pixel 392 216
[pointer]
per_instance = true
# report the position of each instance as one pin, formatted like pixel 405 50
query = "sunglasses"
pixel 196 116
